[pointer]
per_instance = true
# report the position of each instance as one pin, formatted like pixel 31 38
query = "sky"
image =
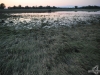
pixel 58 3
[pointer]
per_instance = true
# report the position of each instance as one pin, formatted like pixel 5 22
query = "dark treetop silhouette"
pixel 2 6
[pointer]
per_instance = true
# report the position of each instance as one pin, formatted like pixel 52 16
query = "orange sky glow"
pixel 50 2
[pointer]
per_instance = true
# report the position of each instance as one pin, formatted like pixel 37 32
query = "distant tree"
pixel 76 7
pixel 9 7
pixel 14 7
pixel 90 7
pixel 33 7
pixel 54 7
pixel 27 7
pixel 2 6
pixel 40 7
pixel 48 7
pixel 19 7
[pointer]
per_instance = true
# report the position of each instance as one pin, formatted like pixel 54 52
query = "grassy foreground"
pixel 54 51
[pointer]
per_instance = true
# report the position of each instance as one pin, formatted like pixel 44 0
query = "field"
pixel 55 50
pixel 42 10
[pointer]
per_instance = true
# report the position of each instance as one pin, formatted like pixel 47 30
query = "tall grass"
pixel 54 51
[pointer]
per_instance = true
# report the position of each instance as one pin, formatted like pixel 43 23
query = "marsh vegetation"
pixel 49 43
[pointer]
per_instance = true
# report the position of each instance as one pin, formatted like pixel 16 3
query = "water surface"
pixel 53 19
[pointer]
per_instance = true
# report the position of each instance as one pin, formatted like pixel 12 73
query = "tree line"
pixel 33 7
pixel 2 6
pixel 90 7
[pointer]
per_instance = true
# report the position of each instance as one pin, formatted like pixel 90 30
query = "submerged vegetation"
pixel 48 49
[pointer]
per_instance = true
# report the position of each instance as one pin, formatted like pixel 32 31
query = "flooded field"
pixel 56 43
pixel 54 19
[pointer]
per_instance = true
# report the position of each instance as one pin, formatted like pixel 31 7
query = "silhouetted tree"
pixel 33 7
pixel 19 7
pixel 14 7
pixel 48 7
pixel 40 7
pixel 54 7
pixel 76 7
pixel 9 7
pixel 90 7
pixel 2 6
pixel 27 7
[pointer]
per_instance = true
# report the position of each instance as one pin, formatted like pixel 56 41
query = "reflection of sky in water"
pixel 67 18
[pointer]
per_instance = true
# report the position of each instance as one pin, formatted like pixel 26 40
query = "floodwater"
pixel 53 19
